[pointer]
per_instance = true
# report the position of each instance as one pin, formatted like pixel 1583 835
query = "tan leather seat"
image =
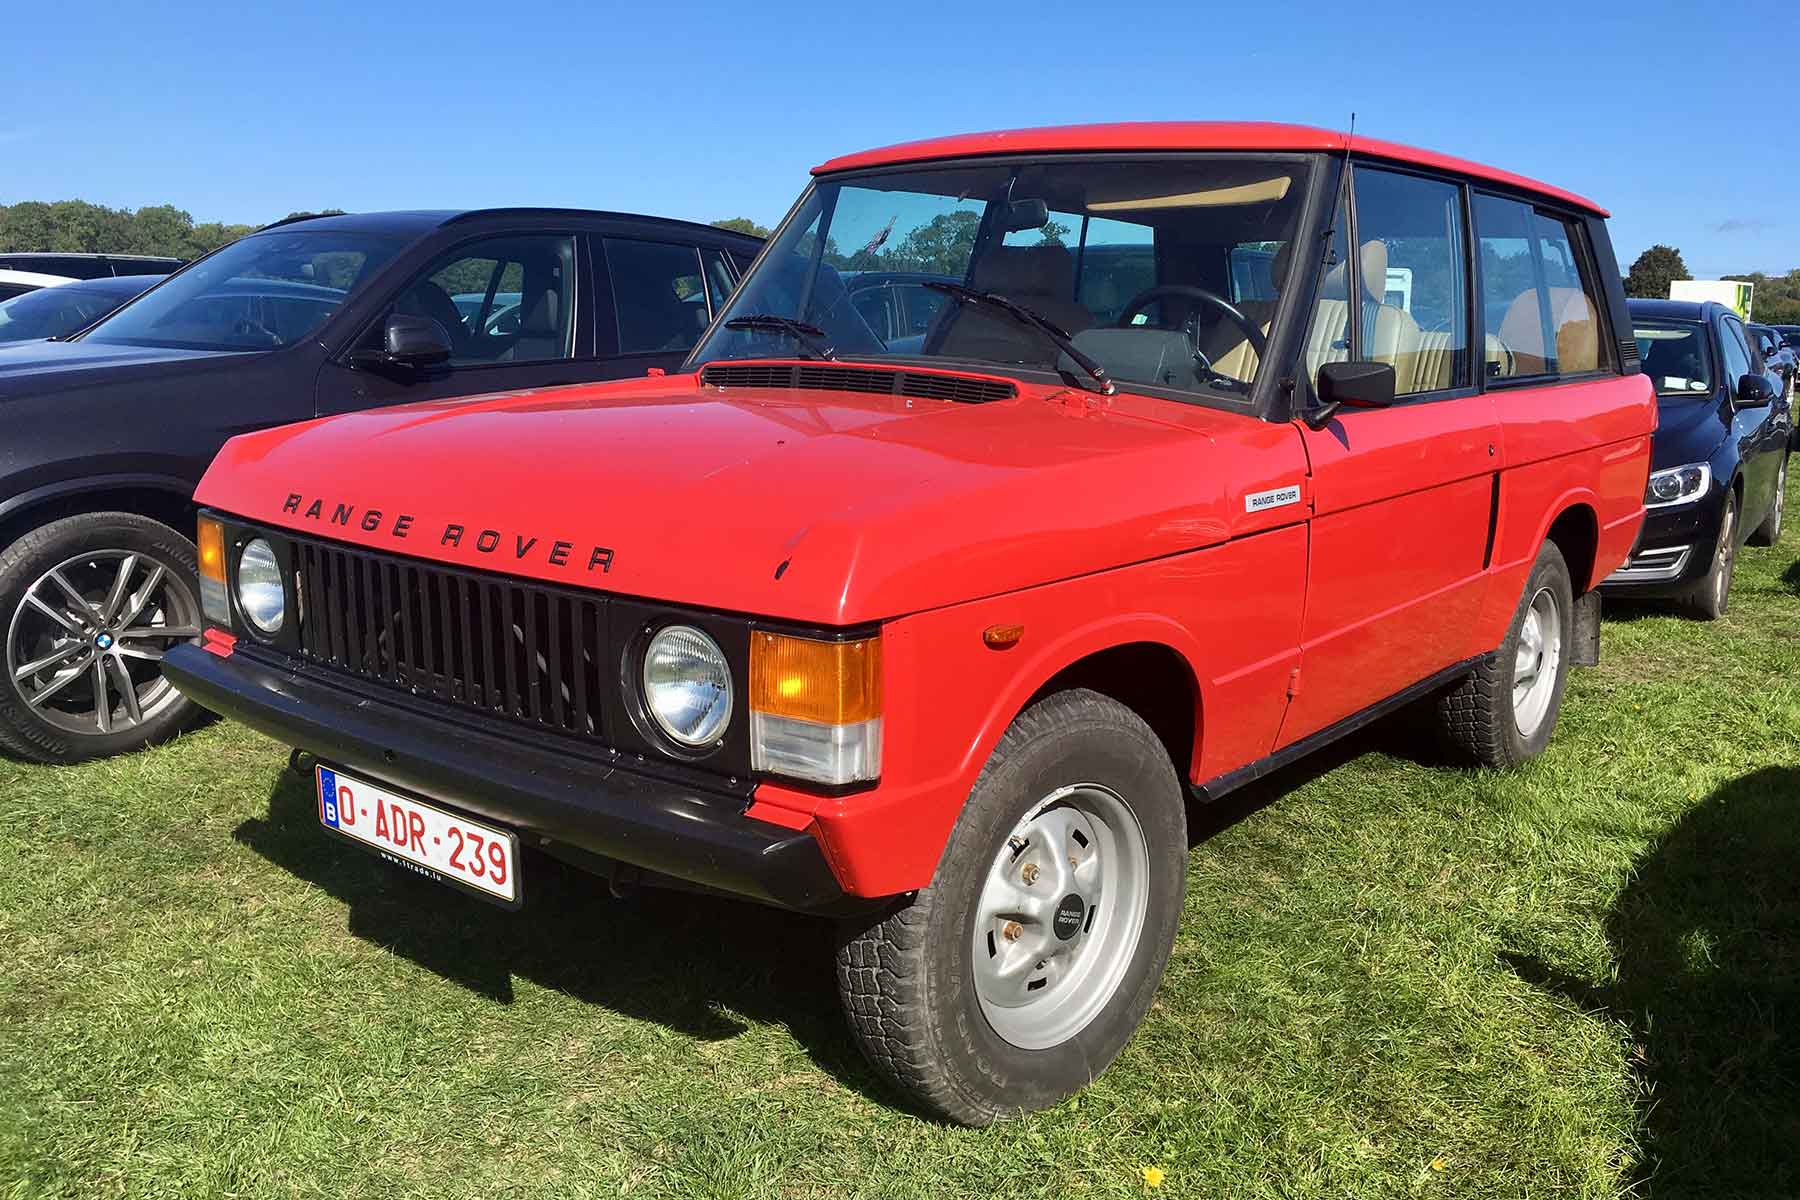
pixel 1326 334
pixel 1042 278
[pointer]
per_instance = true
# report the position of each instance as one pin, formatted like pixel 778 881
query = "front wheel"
pixel 1709 597
pixel 1020 973
pixel 88 606
pixel 1504 711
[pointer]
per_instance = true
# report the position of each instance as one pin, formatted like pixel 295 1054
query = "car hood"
pixel 818 506
pixel 41 367
pixel 1688 430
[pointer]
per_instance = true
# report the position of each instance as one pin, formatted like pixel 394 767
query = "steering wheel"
pixel 250 327
pixel 1251 333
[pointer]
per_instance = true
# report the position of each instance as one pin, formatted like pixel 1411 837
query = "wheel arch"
pixel 163 498
pixel 1576 532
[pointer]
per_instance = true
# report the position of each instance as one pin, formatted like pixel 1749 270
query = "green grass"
pixel 1582 979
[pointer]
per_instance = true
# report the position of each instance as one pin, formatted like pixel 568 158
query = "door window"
pixel 502 300
pixel 1538 300
pixel 1737 352
pixel 1414 303
pixel 659 295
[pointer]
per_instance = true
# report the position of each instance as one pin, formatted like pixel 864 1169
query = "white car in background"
pixel 17 283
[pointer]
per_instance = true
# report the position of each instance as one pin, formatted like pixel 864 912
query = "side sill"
pixel 1231 781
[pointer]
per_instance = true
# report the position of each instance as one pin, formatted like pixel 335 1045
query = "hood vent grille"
pixel 923 385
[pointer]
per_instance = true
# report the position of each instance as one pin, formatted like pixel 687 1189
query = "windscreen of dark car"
pixel 1164 271
pixel 1675 357
pixel 263 292
pixel 56 311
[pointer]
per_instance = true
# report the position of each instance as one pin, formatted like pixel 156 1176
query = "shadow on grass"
pixel 1707 937
pixel 1791 577
pixel 685 961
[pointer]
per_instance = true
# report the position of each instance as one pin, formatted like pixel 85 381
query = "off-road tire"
pixel 22 732
pixel 1476 720
pixel 1769 532
pixel 905 976
pixel 1709 597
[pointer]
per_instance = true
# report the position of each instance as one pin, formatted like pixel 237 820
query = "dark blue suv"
pixel 1718 474
pixel 104 436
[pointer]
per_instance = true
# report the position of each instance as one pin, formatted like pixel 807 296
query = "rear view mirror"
pixel 1351 385
pixel 1019 215
pixel 1754 392
pixel 408 343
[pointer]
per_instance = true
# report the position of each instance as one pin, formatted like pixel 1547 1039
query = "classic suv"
pixel 1719 471
pixel 107 433
pixel 941 640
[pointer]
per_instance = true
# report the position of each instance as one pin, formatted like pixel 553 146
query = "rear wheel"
pixel 1023 969
pixel 88 606
pixel 1504 711
pixel 1709 597
pixel 1769 532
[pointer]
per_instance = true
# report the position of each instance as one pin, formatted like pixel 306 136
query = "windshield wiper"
pixel 809 336
pixel 1037 321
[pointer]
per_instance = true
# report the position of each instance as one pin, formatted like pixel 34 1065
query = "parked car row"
pixel 1025 489
pixel 63 309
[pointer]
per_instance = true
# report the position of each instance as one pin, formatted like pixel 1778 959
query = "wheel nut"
pixel 1012 931
pixel 1029 873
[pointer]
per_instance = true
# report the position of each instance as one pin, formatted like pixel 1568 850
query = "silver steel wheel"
pixel 1536 662
pixel 82 648
pixel 1060 916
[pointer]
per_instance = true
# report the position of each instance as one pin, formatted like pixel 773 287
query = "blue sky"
pixel 242 113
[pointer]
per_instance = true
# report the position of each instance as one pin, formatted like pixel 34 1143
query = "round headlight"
pixel 687 685
pixel 259 591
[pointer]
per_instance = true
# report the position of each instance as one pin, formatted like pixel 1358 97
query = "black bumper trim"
pixel 610 811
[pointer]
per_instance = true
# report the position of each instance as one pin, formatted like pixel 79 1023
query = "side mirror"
pixel 1352 385
pixel 408 343
pixel 1753 391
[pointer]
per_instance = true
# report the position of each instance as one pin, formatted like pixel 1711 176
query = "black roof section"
pixel 97 256
pixel 413 222
pixel 1674 310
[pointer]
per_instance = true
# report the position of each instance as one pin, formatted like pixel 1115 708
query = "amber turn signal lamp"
pixel 1002 637
pixel 212 549
pixel 215 606
pixel 833 683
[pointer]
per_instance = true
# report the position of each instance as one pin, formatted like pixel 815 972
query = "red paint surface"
pixel 1164 136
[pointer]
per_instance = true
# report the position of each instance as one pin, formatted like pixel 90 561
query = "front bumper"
pixel 1675 548
pixel 555 799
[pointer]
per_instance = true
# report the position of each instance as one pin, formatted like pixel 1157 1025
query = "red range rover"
pixel 1032 486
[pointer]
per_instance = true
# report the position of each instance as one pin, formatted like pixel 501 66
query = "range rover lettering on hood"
pixel 519 546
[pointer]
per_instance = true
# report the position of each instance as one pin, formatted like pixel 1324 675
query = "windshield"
pixel 263 292
pixel 1142 263
pixel 1674 356
pixel 54 311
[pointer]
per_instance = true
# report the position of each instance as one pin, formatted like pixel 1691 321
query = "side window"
pixel 720 278
pixel 1737 353
pixel 659 295
pixel 501 300
pixel 1537 297
pixel 1328 336
pixel 1414 305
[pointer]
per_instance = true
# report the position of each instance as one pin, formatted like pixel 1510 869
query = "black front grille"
pixel 924 385
pixel 515 650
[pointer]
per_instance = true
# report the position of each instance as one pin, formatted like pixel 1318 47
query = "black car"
pixel 1790 334
pixel 66 308
pixel 1777 356
pixel 104 436
pixel 90 266
pixel 1719 465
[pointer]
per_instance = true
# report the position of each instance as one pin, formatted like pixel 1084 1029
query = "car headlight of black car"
pixel 1677 485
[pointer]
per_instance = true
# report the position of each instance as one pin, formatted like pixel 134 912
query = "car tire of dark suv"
pixel 88 606
pixel 1023 969
pixel 1504 711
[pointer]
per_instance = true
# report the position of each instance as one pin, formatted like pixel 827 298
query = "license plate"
pixel 420 836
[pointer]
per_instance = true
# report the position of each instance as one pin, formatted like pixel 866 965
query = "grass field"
pixel 1393 979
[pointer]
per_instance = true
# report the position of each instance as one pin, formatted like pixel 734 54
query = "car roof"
pixel 41 255
pixel 417 222
pixel 1673 310
pixel 1187 135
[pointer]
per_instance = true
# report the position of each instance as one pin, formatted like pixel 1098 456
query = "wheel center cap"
pixel 1070 912
pixel 103 640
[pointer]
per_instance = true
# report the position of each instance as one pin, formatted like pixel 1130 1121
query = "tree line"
pixel 1775 302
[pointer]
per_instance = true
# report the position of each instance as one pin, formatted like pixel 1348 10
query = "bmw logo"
pixel 104 641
